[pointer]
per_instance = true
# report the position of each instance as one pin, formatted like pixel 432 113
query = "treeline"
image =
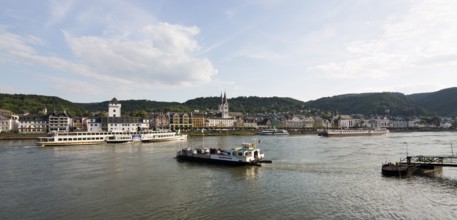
pixel 252 104
pixel 440 103
pixel 370 104
pixel 20 103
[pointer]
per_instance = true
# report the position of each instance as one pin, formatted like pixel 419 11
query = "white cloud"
pixel 424 37
pixel 59 10
pixel 162 58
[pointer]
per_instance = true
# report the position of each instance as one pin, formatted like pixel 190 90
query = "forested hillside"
pixel 440 103
pixel 134 106
pixel 20 103
pixel 369 104
pixel 252 104
pixel 443 102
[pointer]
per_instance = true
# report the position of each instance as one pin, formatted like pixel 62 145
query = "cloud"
pixel 162 58
pixel 158 55
pixel 421 38
pixel 59 10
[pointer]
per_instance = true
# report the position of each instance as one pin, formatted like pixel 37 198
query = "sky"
pixel 177 50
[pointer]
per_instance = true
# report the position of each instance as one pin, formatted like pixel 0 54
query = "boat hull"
pixel 399 170
pixel 50 144
pixel 350 133
pixel 176 138
pixel 216 161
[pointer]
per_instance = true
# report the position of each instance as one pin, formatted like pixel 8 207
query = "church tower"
pixel 224 107
pixel 114 108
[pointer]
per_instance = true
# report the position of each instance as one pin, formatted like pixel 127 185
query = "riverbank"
pixel 227 132
pixel 13 136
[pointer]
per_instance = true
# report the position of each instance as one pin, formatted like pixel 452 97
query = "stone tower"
pixel 114 108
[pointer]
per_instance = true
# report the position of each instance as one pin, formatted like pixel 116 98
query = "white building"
pixel 94 125
pixel 116 122
pixel 59 121
pixel 9 123
pixel 31 124
pixel 129 124
pixel 299 122
pixel 221 122
pixel 114 108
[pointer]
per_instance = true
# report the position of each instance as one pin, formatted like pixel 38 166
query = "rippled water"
pixel 311 178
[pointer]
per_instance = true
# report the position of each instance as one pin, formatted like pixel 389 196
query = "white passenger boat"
pixel 246 154
pixel 163 136
pixel 87 138
pixel 124 138
pixel 274 131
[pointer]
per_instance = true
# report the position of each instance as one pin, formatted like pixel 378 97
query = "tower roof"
pixel 114 101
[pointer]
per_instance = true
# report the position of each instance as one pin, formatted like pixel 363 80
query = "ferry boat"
pixel 274 131
pixel 163 136
pixel 246 154
pixel 124 138
pixel 353 132
pixel 88 138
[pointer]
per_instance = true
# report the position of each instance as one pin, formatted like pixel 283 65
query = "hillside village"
pixel 59 121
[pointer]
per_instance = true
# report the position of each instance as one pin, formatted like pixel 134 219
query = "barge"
pixel 352 132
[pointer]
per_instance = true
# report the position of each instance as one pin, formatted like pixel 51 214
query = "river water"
pixel 311 177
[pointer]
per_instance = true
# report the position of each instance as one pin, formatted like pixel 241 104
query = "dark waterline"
pixel 311 178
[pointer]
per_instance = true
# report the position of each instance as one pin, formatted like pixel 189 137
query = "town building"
pixel 116 122
pixel 225 120
pixel 198 120
pixel 159 121
pixel 9 123
pixel 33 124
pixel 59 121
pixel 94 124
pixel 180 121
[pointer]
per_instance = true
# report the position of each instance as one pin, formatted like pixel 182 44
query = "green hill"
pixel 20 103
pixel 443 102
pixel 130 106
pixel 369 104
pixel 252 104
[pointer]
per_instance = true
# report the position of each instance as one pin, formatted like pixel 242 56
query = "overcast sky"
pixel 169 50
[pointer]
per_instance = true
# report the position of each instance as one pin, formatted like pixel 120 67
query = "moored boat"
pixel 274 131
pixel 352 132
pixel 398 169
pixel 88 138
pixel 246 154
pixel 123 138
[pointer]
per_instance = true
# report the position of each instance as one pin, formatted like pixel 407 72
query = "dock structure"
pixel 418 165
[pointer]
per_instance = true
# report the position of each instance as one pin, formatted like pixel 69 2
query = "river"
pixel 311 177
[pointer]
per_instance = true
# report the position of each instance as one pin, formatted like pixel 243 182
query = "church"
pixel 224 121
